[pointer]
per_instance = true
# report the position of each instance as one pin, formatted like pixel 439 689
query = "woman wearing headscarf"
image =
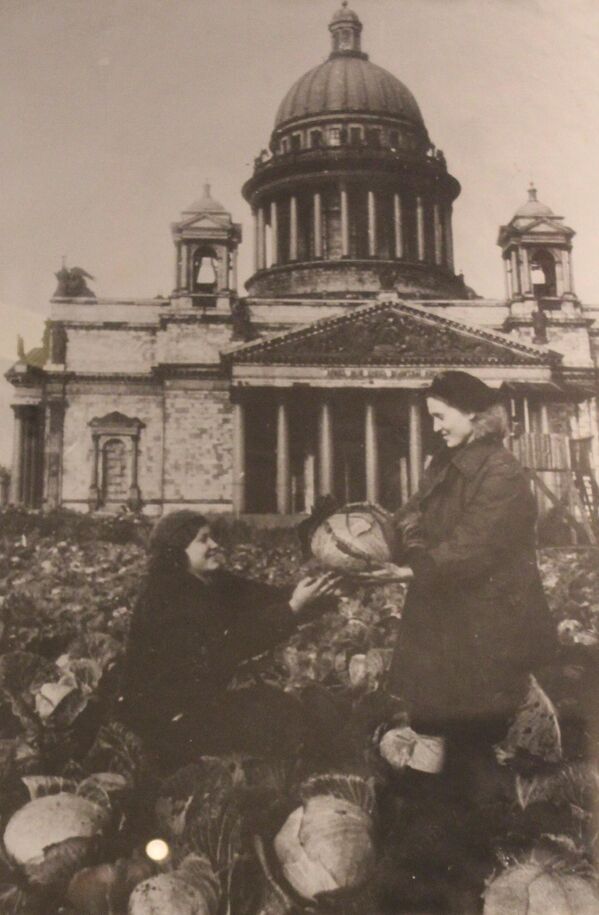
pixel 193 625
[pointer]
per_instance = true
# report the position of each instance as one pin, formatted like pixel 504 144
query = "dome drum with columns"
pixel 352 184
pixel 311 384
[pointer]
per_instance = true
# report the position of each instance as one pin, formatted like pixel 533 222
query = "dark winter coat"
pixel 186 642
pixel 475 620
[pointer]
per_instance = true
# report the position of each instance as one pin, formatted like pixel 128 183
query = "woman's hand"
pixel 309 589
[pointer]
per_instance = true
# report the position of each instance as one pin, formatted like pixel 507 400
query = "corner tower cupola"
pixel 351 197
pixel 206 241
pixel 537 256
pixel 346 29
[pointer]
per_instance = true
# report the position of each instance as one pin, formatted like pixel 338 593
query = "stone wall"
pixel 365 277
pixel 99 311
pixel 198 444
pixel 572 340
pixel 192 341
pixel 110 350
pixel 88 401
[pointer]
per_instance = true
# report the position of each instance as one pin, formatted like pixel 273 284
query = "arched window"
pixel 115 483
pixel 542 273
pixel 204 270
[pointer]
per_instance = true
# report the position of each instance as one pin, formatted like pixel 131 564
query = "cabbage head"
pixel 325 845
pixel 357 538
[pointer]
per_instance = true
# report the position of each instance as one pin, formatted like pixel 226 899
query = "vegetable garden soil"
pixel 67 586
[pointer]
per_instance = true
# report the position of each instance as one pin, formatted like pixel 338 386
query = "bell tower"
pixel 206 241
pixel 537 256
pixel 539 279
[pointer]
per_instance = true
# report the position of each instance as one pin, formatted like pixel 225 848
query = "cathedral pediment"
pixel 390 334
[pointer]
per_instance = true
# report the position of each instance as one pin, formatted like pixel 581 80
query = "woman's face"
pixel 455 427
pixel 203 553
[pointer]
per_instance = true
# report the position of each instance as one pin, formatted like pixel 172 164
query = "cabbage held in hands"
pixel 357 538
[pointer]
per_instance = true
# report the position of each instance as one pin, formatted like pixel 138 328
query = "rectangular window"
pixel 373 137
pixel 334 136
pixel 316 139
pixel 296 141
pixel 394 139
pixel 355 136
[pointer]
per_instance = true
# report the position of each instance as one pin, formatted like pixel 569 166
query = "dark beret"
pixel 462 390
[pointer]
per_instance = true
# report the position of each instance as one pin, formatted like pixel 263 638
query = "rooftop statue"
pixel 71 283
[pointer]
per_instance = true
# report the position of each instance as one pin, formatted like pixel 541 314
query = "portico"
pixel 337 407
pixel 294 445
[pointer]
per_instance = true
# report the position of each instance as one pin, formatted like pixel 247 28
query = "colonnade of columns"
pixel 424 236
pixel 410 468
pixel 518 277
pixel 529 415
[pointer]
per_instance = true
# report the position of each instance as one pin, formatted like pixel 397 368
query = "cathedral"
pixel 308 382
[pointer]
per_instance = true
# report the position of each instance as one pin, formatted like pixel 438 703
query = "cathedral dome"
pixel 351 197
pixel 347 83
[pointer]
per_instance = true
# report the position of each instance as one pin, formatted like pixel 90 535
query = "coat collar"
pixel 469 459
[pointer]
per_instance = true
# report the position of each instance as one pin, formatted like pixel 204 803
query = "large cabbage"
pixel 531 889
pixel 327 845
pixel 356 538
pixel 191 889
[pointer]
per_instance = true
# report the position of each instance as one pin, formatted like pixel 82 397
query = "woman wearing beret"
pixel 193 624
pixel 476 621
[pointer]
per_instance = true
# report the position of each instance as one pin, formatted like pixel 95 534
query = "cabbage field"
pixel 90 827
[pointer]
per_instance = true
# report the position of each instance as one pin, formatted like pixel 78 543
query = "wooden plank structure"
pixel 562 480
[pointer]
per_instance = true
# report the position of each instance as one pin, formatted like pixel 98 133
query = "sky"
pixel 115 113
